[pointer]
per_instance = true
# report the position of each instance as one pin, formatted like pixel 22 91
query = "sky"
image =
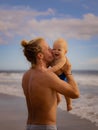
pixel 74 20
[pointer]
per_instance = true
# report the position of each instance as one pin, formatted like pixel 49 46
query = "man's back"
pixel 41 99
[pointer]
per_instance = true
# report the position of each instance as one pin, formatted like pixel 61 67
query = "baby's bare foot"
pixel 69 108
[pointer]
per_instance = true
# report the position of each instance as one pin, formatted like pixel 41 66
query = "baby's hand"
pixel 69 107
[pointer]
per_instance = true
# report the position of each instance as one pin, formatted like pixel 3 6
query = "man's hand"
pixel 67 67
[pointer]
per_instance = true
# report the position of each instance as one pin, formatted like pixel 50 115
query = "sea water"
pixel 85 107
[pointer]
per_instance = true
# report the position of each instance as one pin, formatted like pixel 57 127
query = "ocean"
pixel 85 107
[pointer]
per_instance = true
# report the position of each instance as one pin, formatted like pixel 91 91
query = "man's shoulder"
pixel 50 75
pixel 26 73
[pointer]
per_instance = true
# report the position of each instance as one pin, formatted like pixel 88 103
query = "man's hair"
pixel 31 49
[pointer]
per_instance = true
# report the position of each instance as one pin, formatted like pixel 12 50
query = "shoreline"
pixel 13 114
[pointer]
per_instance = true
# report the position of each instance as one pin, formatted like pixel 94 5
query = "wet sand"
pixel 13 114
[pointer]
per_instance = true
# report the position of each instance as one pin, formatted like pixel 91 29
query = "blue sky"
pixel 74 20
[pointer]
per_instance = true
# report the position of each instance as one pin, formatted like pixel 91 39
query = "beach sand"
pixel 13 114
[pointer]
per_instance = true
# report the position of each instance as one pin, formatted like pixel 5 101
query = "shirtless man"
pixel 41 86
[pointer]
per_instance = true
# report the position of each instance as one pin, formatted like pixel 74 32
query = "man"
pixel 41 86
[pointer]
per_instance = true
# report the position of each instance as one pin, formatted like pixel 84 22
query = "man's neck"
pixel 40 66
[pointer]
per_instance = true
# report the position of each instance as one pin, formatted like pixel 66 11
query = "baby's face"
pixel 58 51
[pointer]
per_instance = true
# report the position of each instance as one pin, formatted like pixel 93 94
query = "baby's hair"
pixel 61 40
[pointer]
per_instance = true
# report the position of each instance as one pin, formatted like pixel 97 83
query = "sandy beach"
pixel 13 114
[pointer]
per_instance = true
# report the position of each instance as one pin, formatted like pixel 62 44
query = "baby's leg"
pixel 58 98
pixel 69 103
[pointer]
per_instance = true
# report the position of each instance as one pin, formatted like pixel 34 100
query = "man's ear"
pixel 40 55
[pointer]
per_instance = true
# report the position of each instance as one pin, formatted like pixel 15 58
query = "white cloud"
pixel 91 64
pixel 93 61
pixel 26 22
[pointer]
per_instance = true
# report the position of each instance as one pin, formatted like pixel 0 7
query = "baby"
pixel 59 65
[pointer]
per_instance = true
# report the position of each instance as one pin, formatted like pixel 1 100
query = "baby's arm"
pixel 58 66
pixel 69 103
